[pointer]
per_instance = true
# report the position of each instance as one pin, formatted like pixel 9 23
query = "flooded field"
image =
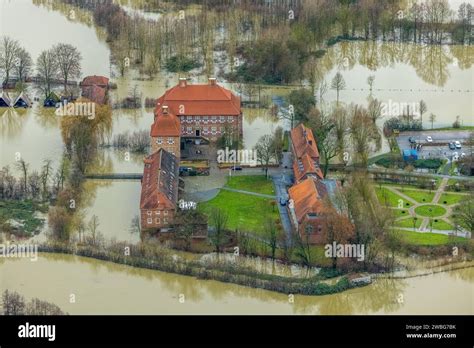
pixel 106 288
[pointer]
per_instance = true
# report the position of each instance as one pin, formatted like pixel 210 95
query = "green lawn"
pixel 451 198
pixel 390 198
pixel 409 222
pixel 420 196
pixel 441 225
pixel 417 238
pixel 430 210
pixel 252 183
pixel 22 211
pixel 401 212
pixel 245 212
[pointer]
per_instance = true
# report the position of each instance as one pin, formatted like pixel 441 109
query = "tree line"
pixel 61 63
pixel 15 304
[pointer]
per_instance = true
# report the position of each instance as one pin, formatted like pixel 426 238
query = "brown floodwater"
pixel 106 288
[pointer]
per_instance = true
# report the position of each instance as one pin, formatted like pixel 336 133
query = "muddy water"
pixel 106 288
pixel 442 76
pixel 115 203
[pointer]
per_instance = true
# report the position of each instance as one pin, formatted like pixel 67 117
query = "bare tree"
pixel 23 64
pixel 370 82
pixel 69 62
pixel 432 120
pixel 47 70
pixel 338 84
pixel 219 220
pixel 23 167
pixel 8 53
pixel 265 151
pixel 272 235
pixel 93 227
pixel 423 109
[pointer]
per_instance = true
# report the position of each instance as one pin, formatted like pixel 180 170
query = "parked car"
pixel 463 155
pixel 411 140
pixel 452 146
pixel 283 201
pixel 455 156
pixel 457 144
pixel 236 168
pixel 429 139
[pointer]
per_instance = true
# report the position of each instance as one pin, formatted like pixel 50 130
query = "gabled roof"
pixel 6 98
pixel 94 93
pixel 101 81
pixel 303 141
pixel 160 181
pixel 166 124
pixel 201 99
pixel 24 97
pixel 306 166
pixel 306 199
pixel 54 97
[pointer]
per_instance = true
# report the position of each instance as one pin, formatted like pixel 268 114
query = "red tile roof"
pixel 94 93
pixel 204 99
pixel 165 124
pixel 304 142
pixel 101 81
pixel 306 166
pixel 306 199
pixel 160 181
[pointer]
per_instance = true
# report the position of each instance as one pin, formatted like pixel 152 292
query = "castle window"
pixel 222 119
pixel 157 221
pixel 165 212
pixel 170 141
pixel 309 229
pixel 230 119
pixel 159 141
pixel 149 220
pixel 149 212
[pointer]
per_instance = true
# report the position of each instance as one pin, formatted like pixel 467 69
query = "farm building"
pixel 22 101
pixel 51 100
pixel 5 100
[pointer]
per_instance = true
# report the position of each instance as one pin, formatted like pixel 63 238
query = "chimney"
pixel 212 81
pixel 183 82
pixel 165 109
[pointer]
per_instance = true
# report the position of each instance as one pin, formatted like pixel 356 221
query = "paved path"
pixel 280 182
pixel 464 234
pixel 440 191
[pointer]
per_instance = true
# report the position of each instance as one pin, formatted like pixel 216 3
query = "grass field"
pixel 252 183
pixel 409 222
pixel 245 212
pixel 451 198
pixel 420 196
pixel 427 239
pixel 22 212
pixel 441 225
pixel 430 210
pixel 390 198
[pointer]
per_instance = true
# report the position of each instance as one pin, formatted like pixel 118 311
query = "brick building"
pixel 159 194
pixel 166 131
pixel 204 110
pixel 310 189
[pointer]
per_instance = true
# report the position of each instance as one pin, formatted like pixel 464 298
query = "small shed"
pixel 22 101
pixel 51 100
pixel 5 100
